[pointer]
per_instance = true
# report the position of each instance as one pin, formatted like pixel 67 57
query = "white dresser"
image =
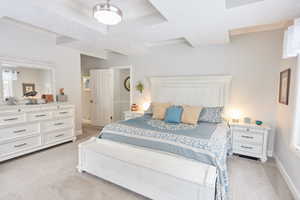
pixel 131 114
pixel 250 140
pixel 28 128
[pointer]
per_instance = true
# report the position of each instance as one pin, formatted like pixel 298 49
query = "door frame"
pixel 131 79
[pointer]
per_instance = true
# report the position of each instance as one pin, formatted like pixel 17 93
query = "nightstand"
pixel 132 114
pixel 250 140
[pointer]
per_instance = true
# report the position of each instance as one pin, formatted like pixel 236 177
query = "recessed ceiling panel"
pixel 237 3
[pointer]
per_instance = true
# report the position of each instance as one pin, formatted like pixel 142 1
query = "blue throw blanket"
pixel 204 142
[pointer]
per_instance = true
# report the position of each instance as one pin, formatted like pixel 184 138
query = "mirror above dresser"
pixel 26 82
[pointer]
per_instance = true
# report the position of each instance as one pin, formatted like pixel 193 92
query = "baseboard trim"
pixel 79 132
pixel 287 178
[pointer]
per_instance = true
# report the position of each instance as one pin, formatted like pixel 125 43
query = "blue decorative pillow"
pixel 173 114
pixel 211 114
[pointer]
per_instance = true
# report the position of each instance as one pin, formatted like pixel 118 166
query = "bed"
pixel 166 161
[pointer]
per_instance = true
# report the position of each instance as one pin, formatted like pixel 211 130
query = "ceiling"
pixel 146 23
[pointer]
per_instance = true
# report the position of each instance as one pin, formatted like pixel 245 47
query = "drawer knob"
pixel 247 137
pixel 247 129
pixel 58 124
pixel 63 112
pixel 11 119
pixel 20 145
pixel 20 131
pixel 60 135
pixel 41 115
pixel 246 147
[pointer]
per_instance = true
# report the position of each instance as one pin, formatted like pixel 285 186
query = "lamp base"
pixel 235 120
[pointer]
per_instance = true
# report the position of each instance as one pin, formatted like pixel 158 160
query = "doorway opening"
pixel 106 92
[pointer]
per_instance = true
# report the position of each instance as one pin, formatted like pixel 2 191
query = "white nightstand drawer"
pixel 57 136
pixel 39 116
pixel 19 131
pixel 12 119
pixel 248 137
pixel 57 124
pixel 20 145
pixel 249 129
pixel 251 148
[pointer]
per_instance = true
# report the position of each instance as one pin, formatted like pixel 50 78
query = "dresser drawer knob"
pixel 11 119
pixel 247 137
pixel 20 145
pixel 247 129
pixel 246 147
pixel 20 131
pixel 41 115
pixel 63 112
pixel 60 135
pixel 58 124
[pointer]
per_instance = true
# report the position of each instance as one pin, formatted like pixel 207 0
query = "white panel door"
pixel 102 95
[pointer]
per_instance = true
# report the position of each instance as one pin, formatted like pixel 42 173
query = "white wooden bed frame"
pixel 154 174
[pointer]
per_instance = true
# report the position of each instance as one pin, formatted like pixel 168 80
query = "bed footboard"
pixel 152 174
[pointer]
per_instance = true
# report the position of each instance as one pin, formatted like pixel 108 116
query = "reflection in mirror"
pixel 24 83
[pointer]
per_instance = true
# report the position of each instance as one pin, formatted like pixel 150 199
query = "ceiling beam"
pixel 261 28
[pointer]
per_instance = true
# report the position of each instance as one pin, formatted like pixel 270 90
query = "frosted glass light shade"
pixel 107 14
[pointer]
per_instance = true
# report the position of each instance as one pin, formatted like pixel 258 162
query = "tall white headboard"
pixel 192 90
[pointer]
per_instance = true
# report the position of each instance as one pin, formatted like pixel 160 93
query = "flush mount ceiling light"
pixel 107 14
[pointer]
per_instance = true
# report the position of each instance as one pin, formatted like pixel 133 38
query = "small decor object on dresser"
pixel 258 122
pixel 284 87
pixel 48 98
pixel 61 97
pixel 250 140
pixel 134 107
pixel 247 120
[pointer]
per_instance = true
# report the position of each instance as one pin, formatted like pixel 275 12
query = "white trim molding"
pixel 295 192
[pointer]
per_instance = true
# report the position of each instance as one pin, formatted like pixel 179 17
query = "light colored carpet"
pixel 51 175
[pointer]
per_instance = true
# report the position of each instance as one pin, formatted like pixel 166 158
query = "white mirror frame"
pixel 30 63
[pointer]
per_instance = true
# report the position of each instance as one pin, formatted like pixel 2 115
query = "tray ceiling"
pixel 146 21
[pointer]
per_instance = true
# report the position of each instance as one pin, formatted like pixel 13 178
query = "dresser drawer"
pixel 248 137
pixel 52 107
pixel 249 129
pixel 12 119
pixel 63 113
pixel 58 136
pixel 20 145
pixel 19 131
pixel 250 148
pixel 57 124
pixel 39 116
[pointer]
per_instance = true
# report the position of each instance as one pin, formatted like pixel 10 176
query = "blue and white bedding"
pixel 205 142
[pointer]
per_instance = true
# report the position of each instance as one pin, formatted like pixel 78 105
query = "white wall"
pixel 121 95
pixel 24 42
pixel 285 120
pixel 253 61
